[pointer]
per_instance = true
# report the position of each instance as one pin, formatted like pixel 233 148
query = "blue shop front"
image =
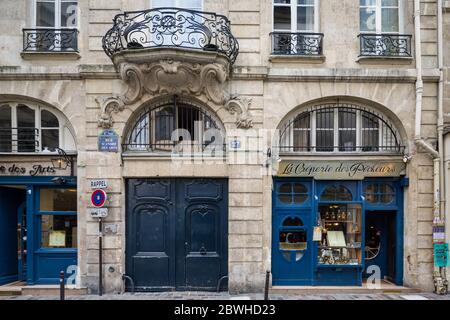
pixel 38 219
pixel 337 222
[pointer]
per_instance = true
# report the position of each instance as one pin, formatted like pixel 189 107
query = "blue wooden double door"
pixel 177 231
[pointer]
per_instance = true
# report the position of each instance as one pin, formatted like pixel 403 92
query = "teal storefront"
pixel 336 225
pixel 38 228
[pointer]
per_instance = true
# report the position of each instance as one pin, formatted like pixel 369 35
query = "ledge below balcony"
pixel 384 60
pixel 314 59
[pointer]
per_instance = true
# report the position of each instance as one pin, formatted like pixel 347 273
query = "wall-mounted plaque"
pixel 108 141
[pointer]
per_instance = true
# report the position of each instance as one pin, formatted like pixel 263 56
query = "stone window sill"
pixel 297 58
pixel 384 60
pixel 53 55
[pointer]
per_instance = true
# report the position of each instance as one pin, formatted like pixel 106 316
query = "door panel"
pixel 176 227
pixel 10 200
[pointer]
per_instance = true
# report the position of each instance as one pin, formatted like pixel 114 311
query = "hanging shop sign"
pixel 108 141
pixel 344 170
pixel 98 198
pixel 441 255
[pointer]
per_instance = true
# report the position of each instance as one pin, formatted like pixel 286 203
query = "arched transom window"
pixel 339 128
pixel 175 126
pixel 26 127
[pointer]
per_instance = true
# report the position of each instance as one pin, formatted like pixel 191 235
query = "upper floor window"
pixel 295 16
pixel 54 26
pixel 185 4
pixel 381 16
pixel 295 27
pixel 339 128
pixel 30 128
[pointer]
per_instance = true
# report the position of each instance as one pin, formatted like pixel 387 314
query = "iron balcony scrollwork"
pixel 307 44
pixel 50 40
pixel 385 45
pixel 171 27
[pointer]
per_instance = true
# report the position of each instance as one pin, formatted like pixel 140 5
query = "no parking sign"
pixel 98 198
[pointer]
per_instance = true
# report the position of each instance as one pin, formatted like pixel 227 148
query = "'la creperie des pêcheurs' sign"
pixel 334 169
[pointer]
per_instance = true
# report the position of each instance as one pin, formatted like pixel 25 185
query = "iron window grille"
pixel 178 128
pixel 339 128
pixel 19 140
pixel 304 44
pixel 385 45
pixel 50 40
pixel 171 27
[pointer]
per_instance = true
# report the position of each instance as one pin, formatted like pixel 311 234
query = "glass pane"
pixel 300 188
pixel 389 3
pixel 163 3
pixel 69 14
pixel 302 133
pixel 45 14
pixel 347 130
pixel 282 1
pixel 367 2
pixel 59 231
pixel 300 198
pixel 58 200
pixel 296 240
pixel 367 19
pixel 306 2
pixel 50 139
pixel 325 119
pixel 293 222
pixel 385 188
pixel 49 120
pixel 325 140
pixel 372 188
pixel 164 124
pixel 282 18
pixel 5 129
pixel 386 198
pixel 305 19
pixel 285 198
pixel 336 193
pixel 27 132
pixel 389 17
pixel 285 188
pixel 341 241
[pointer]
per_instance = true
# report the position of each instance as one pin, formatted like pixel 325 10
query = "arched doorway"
pixel 349 159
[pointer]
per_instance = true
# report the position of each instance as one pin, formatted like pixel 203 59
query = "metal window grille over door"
pixel 339 128
pixel 175 127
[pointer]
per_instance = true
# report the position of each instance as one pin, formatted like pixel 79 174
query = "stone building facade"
pixel 262 91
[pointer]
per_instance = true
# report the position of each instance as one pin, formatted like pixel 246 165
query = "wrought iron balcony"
pixel 385 45
pixel 171 27
pixel 50 40
pixel 304 44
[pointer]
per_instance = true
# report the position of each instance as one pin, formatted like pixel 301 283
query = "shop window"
pixel 59 231
pixel 31 128
pixel 341 236
pixel 379 193
pixel 339 128
pixel 292 193
pixel 336 193
pixel 58 200
pixel 293 222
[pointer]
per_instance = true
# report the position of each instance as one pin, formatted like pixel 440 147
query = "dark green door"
pixel 176 233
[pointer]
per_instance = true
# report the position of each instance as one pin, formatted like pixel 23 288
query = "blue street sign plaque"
pixel 108 141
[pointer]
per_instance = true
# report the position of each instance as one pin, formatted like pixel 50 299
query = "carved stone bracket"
pixel 240 106
pixel 200 76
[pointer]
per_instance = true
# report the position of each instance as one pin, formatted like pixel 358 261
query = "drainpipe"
pixel 443 176
pixel 439 279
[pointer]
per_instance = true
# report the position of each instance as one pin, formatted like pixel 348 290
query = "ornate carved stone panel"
pixel 153 73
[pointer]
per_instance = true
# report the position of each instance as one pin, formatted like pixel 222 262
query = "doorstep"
pixel 384 289
pixel 39 290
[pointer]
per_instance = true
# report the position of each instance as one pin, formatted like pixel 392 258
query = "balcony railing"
pixel 385 45
pixel 304 44
pixel 50 40
pixel 171 27
pixel 19 140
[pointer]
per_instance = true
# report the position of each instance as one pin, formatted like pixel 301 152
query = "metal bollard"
pixel 62 286
pixel 266 288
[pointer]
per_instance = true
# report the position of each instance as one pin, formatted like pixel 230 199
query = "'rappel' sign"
pixel 98 198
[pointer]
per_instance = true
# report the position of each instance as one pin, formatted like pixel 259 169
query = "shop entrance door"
pixel 177 233
pixel 380 244
pixel 10 201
